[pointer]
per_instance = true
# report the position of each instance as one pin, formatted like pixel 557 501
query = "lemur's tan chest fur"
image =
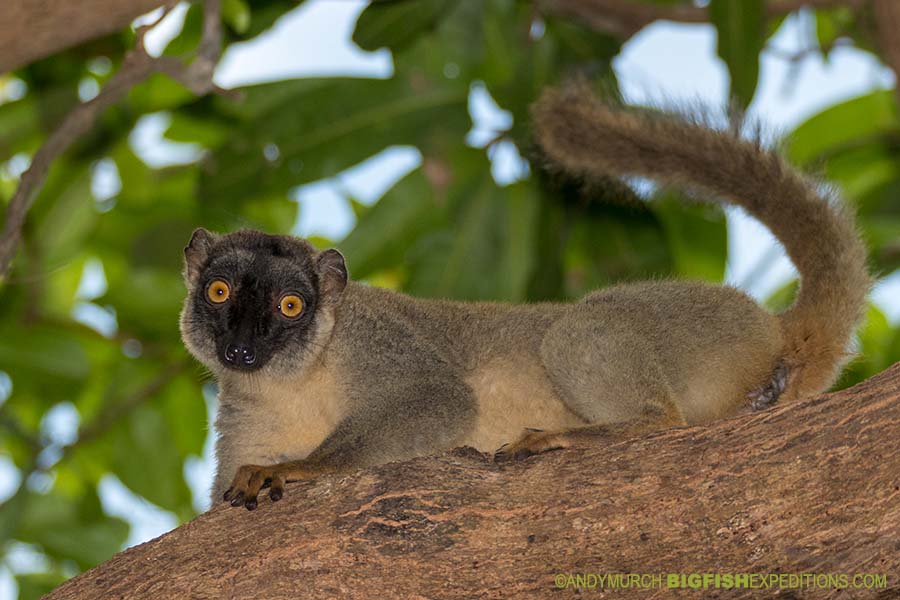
pixel 512 394
pixel 294 416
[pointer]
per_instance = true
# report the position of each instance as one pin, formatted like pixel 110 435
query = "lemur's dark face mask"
pixel 253 303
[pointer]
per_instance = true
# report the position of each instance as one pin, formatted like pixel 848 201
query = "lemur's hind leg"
pixel 536 441
pixel 606 375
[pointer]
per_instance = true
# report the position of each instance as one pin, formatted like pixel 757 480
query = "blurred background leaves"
pixel 88 316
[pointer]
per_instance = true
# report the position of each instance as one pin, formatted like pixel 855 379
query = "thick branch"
pixel 624 18
pixel 137 66
pixel 34 29
pixel 807 487
pixel 887 22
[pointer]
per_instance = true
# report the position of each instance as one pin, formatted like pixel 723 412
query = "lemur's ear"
pixel 196 253
pixel 332 275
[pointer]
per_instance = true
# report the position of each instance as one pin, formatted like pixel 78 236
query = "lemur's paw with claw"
pixel 533 441
pixel 250 479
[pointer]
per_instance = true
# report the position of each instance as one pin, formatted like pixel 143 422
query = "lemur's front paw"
pixel 250 479
pixel 533 441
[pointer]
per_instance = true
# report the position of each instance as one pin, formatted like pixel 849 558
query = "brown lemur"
pixel 319 374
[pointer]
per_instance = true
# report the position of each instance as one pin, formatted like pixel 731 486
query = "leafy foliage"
pixel 88 317
pixel 740 27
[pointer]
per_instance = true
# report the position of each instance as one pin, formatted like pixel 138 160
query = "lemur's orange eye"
pixel 290 305
pixel 218 291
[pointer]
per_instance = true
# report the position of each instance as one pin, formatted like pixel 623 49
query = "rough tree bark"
pixel 809 487
pixel 34 29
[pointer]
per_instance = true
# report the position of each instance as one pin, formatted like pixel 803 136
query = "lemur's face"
pixel 257 301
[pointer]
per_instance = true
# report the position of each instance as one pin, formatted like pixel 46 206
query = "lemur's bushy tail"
pixel 587 136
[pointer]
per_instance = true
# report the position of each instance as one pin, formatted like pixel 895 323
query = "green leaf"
pixel 883 239
pixel 783 297
pixel 862 172
pixel 387 231
pixel 578 43
pixel 196 129
pixel 159 92
pixel 610 243
pixel 147 461
pixel 19 124
pixel 67 217
pixel 61 287
pixel 313 129
pixel 517 260
pixel 874 345
pixel 24 122
pixel 871 117
pixel 41 352
pixel 697 237
pixel 740 26
pixel 547 282
pixel 489 252
pixel 189 36
pixel 265 13
pixel 856 143
pixel 454 50
pixel 832 24
pixel 892 354
pixel 166 191
pixel 236 14
pixel 516 65
pixel 184 410
pixel 147 299
pixel 71 528
pixel 503 55
pixel 34 585
pixel 397 23
pixel 277 214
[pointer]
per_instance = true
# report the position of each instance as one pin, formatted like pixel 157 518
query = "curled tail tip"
pixel 568 123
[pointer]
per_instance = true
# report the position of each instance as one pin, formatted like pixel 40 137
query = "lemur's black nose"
pixel 240 355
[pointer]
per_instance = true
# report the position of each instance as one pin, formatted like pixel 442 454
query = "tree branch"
pixel 137 66
pixel 31 30
pixel 804 487
pixel 624 18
